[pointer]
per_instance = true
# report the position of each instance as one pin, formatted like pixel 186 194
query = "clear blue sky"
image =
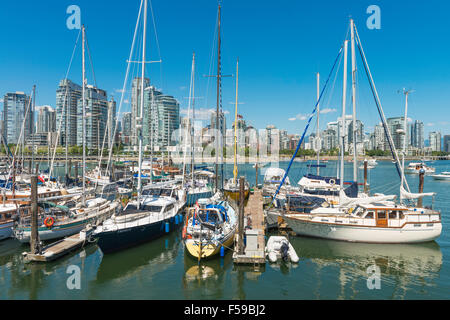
pixel 280 44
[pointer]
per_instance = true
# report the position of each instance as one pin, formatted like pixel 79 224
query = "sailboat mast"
pixel 193 119
pixel 140 119
pixel 218 101
pixel 343 128
pixel 32 130
pixel 235 171
pixel 405 126
pixel 355 155
pixel 84 115
pixel 318 144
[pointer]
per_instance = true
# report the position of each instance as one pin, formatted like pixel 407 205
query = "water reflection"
pixel 152 258
pixel 206 279
pixel 36 280
pixel 403 266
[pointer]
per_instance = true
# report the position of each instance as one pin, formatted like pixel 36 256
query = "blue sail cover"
pixel 352 191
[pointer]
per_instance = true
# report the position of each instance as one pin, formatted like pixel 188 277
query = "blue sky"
pixel 280 44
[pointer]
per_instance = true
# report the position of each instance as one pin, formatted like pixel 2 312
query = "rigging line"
pixel 380 111
pixel 65 107
pixel 90 60
pixel 125 81
pixel 157 43
pixel 307 126
pixel 213 52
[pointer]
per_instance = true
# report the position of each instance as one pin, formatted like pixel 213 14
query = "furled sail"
pixel 408 195
pixel 346 201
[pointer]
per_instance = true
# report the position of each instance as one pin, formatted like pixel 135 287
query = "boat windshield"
pixel 157 192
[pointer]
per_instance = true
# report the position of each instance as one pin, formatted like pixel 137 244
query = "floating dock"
pixel 58 249
pixel 254 233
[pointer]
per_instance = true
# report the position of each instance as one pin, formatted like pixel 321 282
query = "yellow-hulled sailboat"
pixel 232 188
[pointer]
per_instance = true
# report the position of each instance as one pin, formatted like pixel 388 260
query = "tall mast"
pixel 355 157
pixel 235 171
pixel 32 129
pixel 140 118
pixel 193 118
pixel 84 115
pixel 405 126
pixel 218 101
pixel 343 128
pixel 318 144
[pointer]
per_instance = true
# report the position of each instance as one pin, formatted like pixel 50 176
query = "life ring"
pixel 332 182
pixel 49 222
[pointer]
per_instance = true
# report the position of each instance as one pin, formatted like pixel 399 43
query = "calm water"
pixel 327 269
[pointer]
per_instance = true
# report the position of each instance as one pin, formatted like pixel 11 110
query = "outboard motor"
pixel 284 251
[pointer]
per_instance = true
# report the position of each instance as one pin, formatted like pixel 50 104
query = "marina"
pixel 141 194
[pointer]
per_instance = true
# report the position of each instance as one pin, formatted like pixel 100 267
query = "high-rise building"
pixel 17 114
pixel 136 116
pixel 397 129
pixel 435 141
pixel 446 147
pixel 126 128
pixel 46 119
pixel 222 122
pixel 379 142
pixel 67 96
pixel 417 139
pixel 111 122
pixel 96 118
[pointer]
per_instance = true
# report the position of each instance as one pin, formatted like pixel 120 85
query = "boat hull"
pixel 235 194
pixel 113 241
pixel 6 230
pixel 406 234
pixel 210 250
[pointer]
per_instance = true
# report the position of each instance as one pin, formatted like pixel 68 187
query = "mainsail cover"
pixel 346 201
pixel 408 195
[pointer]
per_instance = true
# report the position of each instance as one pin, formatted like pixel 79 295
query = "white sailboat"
pixel 376 219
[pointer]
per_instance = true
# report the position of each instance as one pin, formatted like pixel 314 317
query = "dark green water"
pixel 327 269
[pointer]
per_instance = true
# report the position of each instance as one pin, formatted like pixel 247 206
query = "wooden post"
pixel 30 167
pixel 421 182
pixel 365 175
pixel 241 214
pixel 34 239
pixel 37 168
pixel 76 172
pixel 70 167
pixel 256 186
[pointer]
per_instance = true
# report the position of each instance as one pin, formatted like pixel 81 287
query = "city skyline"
pixel 288 85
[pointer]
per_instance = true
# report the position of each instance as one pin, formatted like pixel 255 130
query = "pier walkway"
pixel 254 233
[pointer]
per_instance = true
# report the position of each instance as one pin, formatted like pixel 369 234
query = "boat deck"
pixel 254 212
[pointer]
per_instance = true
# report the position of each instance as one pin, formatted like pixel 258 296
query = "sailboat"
pixel 150 215
pixel 211 225
pixel 232 188
pixel 372 219
pixel 199 186
pixel 73 212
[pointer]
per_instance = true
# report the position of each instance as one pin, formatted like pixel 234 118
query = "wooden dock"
pixel 254 250
pixel 57 249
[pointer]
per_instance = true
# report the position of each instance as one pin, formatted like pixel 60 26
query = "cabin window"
pixel 152 208
pixel 369 215
pixel 392 215
pixel 401 215
pixel 169 207
pixel 381 214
